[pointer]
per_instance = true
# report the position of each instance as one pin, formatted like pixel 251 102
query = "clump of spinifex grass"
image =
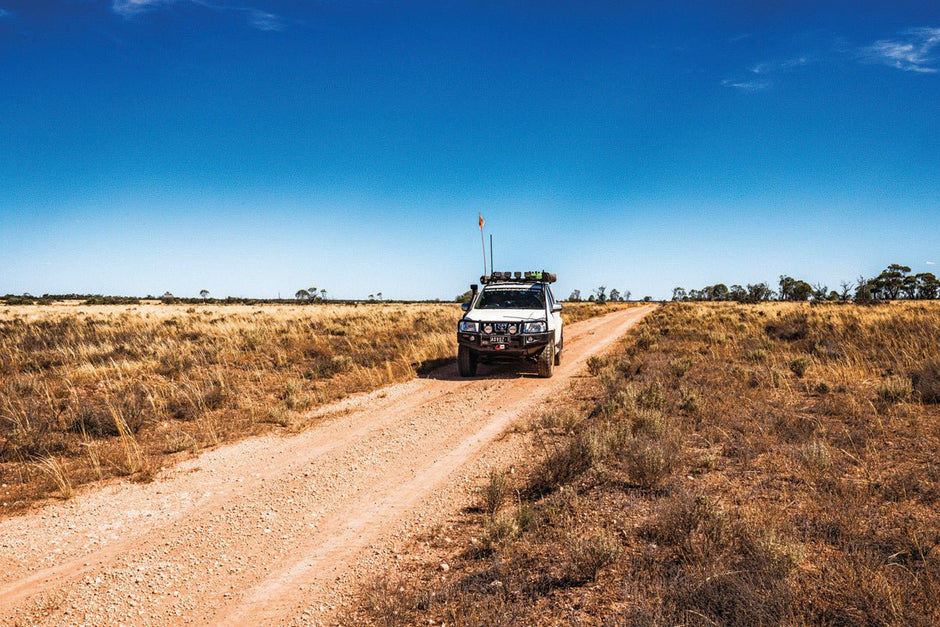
pixel 88 392
pixel 733 465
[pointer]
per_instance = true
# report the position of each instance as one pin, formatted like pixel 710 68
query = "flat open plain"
pixel 276 530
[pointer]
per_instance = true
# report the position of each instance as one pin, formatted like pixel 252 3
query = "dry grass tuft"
pixel 926 381
pixel 588 555
pixel 496 491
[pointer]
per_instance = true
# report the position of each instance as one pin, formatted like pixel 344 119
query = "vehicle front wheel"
pixel 546 361
pixel 466 361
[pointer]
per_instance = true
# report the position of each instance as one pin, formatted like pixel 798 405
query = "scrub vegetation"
pixel 89 392
pixel 729 464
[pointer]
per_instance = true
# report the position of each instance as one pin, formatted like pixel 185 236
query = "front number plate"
pixel 498 339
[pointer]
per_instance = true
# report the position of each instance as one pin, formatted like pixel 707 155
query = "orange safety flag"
pixel 481 222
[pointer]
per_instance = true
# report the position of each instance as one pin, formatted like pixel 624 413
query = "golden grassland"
pixel 92 392
pixel 728 465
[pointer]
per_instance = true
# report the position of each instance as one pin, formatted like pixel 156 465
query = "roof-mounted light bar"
pixel 519 277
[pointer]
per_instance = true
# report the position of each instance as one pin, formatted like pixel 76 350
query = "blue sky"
pixel 254 147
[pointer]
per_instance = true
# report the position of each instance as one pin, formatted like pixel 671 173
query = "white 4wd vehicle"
pixel 514 317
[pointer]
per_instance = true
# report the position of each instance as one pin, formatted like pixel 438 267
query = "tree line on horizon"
pixel 601 296
pixel 893 283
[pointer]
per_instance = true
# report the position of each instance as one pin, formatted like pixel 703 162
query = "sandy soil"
pixel 278 530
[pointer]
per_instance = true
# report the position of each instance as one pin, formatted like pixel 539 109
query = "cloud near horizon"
pixel 915 52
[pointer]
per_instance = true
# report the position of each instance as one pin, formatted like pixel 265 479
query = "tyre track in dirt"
pixel 261 531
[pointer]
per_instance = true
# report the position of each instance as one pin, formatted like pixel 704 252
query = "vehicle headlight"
pixel 467 326
pixel 535 327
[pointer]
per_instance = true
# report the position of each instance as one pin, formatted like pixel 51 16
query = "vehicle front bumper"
pixel 520 345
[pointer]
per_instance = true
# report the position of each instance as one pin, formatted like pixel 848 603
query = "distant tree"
pixel 647 299
pixel 204 294
pixel 679 294
pixel 894 282
pixel 821 292
pixel 626 294
pixel 615 295
pixel 889 283
pixel 575 296
pixel 464 298
pixel 379 295
pixel 865 291
pixel 758 292
pixel 323 293
pixel 928 287
pixel 737 293
pixel 302 295
pixel 909 285
pixel 591 298
pixel 600 295
pixel 719 291
pixel 371 296
pixel 794 289
pixel 846 292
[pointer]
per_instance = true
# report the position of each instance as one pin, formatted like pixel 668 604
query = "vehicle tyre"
pixel 546 361
pixel 558 351
pixel 466 361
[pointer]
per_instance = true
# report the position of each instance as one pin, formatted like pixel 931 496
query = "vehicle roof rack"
pixel 540 276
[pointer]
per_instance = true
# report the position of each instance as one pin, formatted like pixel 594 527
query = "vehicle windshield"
pixel 522 298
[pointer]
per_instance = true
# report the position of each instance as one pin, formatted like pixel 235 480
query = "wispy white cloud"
pixel 747 86
pixel 763 72
pixel 769 67
pixel 129 8
pixel 915 51
pixel 931 263
pixel 262 20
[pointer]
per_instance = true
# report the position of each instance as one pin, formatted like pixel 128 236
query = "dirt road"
pixel 273 530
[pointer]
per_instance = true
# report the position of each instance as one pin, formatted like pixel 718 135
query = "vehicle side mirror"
pixel 556 307
pixel 465 306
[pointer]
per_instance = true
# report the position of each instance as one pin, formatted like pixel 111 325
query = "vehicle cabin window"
pixel 512 299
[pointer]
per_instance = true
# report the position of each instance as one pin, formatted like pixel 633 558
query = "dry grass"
pixel 732 465
pixel 91 392
pixel 576 312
